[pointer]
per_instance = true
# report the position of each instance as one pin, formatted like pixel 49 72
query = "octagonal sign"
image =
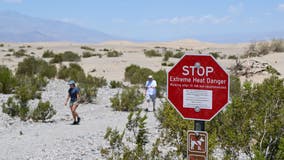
pixel 198 87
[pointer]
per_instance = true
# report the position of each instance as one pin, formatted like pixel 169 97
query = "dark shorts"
pixel 73 103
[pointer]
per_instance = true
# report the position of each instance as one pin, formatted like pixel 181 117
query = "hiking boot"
pixel 74 123
pixel 78 120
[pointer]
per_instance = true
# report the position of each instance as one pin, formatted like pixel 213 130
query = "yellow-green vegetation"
pixel 19 53
pixel 67 56
pixel 7 80
pixel 32 66
pixel 137 133
pixel 115 84
pixel 48 54
pixel 88 84
pixel 128 100
pixel 152 53
pixel 114 53
pixel 43 112
pixel 138 75
pixel 88 48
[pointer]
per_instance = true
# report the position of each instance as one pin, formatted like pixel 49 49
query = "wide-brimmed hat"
pixel 71 82
pixel 150 76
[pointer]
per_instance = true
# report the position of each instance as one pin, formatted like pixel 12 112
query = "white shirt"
pixel 151 87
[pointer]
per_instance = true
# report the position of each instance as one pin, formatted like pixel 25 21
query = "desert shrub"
pixel 74 71
pixel 179 54
pixel 43 111
pixel 106 50
pixel 251 52
pixel 115 84
pixel 216 55
pixel 272 70
pixel 87 48
pixel 11 50
pixel 137 134
pixel 170 64
pixel 14 109
pixel 48 54
pixel 87 54
pixel 235 86
pixel 152 53
pixel 28 88
pixel 167 55
pixel 19 53
pixel 114 53
pixel 277 45
pixel 67 56
pixel 32 66
pixel 137 75
pixel 7 80
pixel 88 84
pixel 128 100
pixel 1 45
pixel 263 48
pixel 8 55
pixel 89 87
pixel 164 63
pixel 232 57
pixel 39 48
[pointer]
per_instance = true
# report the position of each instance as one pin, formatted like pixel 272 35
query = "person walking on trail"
pixel 73 95
pixel 150 92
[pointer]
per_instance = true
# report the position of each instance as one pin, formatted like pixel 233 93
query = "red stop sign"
pixel 198 87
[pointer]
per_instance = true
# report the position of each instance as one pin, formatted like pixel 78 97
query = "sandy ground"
pixel 60 140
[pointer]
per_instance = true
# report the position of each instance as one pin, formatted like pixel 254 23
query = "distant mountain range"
pixel 16 27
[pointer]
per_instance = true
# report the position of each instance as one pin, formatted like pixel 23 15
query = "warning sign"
pixel 197 145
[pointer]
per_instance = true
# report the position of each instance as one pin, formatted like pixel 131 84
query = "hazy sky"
pixel 160 19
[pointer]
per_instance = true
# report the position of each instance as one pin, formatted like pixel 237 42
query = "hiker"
pixel 73 95
pixel 150 91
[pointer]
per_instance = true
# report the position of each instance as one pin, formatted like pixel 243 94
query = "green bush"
pixel 115 84
pixel 1 45
pixel 43 112
pixel 216 55
pixel 28 88
pixel 88 84
pixel 128 100
pixel 114 53
pixel 272 70
pixel 19 53
pixel 87 54
pixel 74 71
pixel 48 54
pixel 7 80
pixel 67 56
pixel 167 55
pixel 232 57
pixel 164 64
pixel 137 134
pixel 32 66
pixel 179 54
pixel 137 75
pixel 88 48
pixel 152 53
pixel 11 50
pixel 13 109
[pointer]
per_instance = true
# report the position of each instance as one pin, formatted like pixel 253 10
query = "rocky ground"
pixel 58 139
